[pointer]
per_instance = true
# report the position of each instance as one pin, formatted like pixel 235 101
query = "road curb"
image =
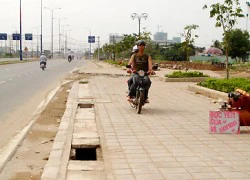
pixel 188 79
pixel 207 92
pixel 56 167
pixel 9 150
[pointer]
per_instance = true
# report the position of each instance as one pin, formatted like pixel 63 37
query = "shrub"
pixel 226 85
pixel 180 74
pixel 120 63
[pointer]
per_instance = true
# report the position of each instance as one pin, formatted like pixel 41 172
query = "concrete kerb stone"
pixel 208 92
pixel 56 167
pixel 187 79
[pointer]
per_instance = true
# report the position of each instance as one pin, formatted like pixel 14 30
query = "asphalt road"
pixel 23 87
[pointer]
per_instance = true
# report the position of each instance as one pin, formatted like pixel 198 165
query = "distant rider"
pixel 69 57
pixel 43 59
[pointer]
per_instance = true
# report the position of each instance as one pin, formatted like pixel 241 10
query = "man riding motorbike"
pixel 140 61
pixel 43 60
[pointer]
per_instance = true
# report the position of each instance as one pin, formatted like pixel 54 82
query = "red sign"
pixel 224 122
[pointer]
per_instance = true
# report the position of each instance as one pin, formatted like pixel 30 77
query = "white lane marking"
pixel 19 76
pixel 1 82
pixel 10 79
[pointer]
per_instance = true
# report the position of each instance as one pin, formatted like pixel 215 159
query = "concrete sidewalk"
pixel 169 140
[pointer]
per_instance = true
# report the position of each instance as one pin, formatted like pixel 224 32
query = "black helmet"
pixel 141 42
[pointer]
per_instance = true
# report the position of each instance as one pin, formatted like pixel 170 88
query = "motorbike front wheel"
pixel 140 102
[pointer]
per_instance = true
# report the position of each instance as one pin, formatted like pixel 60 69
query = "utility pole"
pixel 60 35
pixel 98 48
pixel 65 42
pixel 248 5
pixel 114 46
pixel 52 18
pixel 59 39
pixel 41 26
pixel 10 44
pixel 52 34
pixel 37 43
pixel 21 51
pixel 90 47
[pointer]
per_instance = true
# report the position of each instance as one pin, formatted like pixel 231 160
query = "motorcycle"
pixel 42 65
pixel 139 99
pixel 69 58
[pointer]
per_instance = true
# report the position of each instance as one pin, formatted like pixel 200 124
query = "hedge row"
pixel 226 85
pixel 180 74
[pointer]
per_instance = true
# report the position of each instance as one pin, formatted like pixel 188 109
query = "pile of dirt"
pixel 189 65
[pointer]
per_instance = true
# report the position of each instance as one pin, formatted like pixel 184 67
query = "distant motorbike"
pixel 69 58
pixel 139 100
pixel 43 65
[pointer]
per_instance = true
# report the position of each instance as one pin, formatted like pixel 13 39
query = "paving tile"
pixel 170 137
pixel 231 175
pixel 149 176
pixel 207 175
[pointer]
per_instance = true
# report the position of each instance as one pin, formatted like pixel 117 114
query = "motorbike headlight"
pixel 141 73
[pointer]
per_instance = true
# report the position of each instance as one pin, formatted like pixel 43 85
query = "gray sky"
pixel 103 17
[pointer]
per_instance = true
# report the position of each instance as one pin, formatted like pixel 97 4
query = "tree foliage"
pixel 226 15
pixel 189 39
pixel 239 43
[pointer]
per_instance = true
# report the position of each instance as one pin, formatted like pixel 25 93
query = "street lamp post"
pixel 60 34
pixel 16 40
pixel 89 42
pixel 52 13
pixel 41 26
pixel 248 6
pixel 21 52
pixel 139 17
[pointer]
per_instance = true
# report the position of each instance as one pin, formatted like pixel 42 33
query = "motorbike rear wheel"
pixel 140 102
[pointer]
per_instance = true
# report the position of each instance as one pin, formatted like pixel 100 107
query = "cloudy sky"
pixel 102 17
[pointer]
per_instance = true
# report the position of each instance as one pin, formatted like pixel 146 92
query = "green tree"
pixel 217 44
pixel 226 15
pixel 239 44
pixel 189 39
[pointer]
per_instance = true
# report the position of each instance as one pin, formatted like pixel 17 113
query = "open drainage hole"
pixel 81 105
pixel 84 154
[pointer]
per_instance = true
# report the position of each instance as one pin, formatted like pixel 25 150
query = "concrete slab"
pixel 84 130
pixel 87 113
pixel 83 91
pixel 85 143
pixel 90 124
pixel 85 165
pixel 86 175
pixel 85 135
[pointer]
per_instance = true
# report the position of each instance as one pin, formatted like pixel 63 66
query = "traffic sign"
pixel 3 36
pixel 28 36
pixel 91 39
pixel 16 37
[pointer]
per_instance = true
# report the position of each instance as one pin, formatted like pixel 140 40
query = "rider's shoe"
pixel 146 101
pixel 129 99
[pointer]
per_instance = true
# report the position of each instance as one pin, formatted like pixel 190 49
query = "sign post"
pixel 16 37
pixel 3 36
pixel 28 37
pixel 91 39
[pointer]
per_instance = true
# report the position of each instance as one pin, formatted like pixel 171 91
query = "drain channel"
pixel 82 105
pixel 86 154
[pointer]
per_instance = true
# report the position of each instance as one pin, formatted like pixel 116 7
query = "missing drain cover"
pixel 85 154
pixel 82 105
